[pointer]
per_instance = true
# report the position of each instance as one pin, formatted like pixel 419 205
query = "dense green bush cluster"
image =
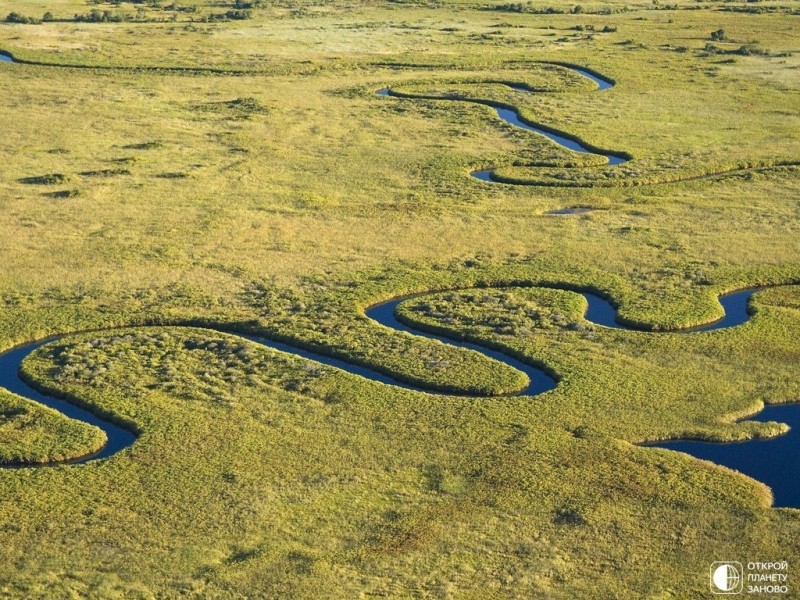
pixel 15 17
pixel 105 173
pixel 231 15
pixel 240 10
pixel 101 16
pixel 503 312
pixel 531 8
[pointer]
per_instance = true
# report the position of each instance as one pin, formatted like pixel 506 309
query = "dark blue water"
pixel 735 304
pixel 562 139
pixel 569 211
pixel 600 311
pixel 775 462
pixel 483 175
pixel 365 372
pixel 118 438
pixel 540 381
pixel 737 310
pixel 603 83
pixel 512 117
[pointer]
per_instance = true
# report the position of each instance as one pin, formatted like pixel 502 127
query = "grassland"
pixel 242 175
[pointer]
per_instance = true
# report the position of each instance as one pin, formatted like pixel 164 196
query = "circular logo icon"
pixel 726 578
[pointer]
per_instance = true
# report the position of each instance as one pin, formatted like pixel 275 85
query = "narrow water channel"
pixel 774 462
pixel 600 312
pixel 512 116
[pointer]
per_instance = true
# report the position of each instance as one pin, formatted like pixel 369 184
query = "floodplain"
pixel 180 181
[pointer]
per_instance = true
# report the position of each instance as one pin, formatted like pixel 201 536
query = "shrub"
pixel 49 179
pixel 238 15
pixel 63 194
pixel 143 146
pixel 105 173
pixel 99 16
pixel 15 17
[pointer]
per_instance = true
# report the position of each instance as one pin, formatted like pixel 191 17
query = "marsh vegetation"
pixel 175 169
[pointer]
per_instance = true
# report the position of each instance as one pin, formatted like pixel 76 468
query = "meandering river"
pixel 512 116
pixel 599 312
pixel 766 460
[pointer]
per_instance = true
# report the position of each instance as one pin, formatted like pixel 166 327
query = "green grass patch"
pixel 306 198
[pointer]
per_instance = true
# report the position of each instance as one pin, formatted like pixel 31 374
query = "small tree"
pixel 718 35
